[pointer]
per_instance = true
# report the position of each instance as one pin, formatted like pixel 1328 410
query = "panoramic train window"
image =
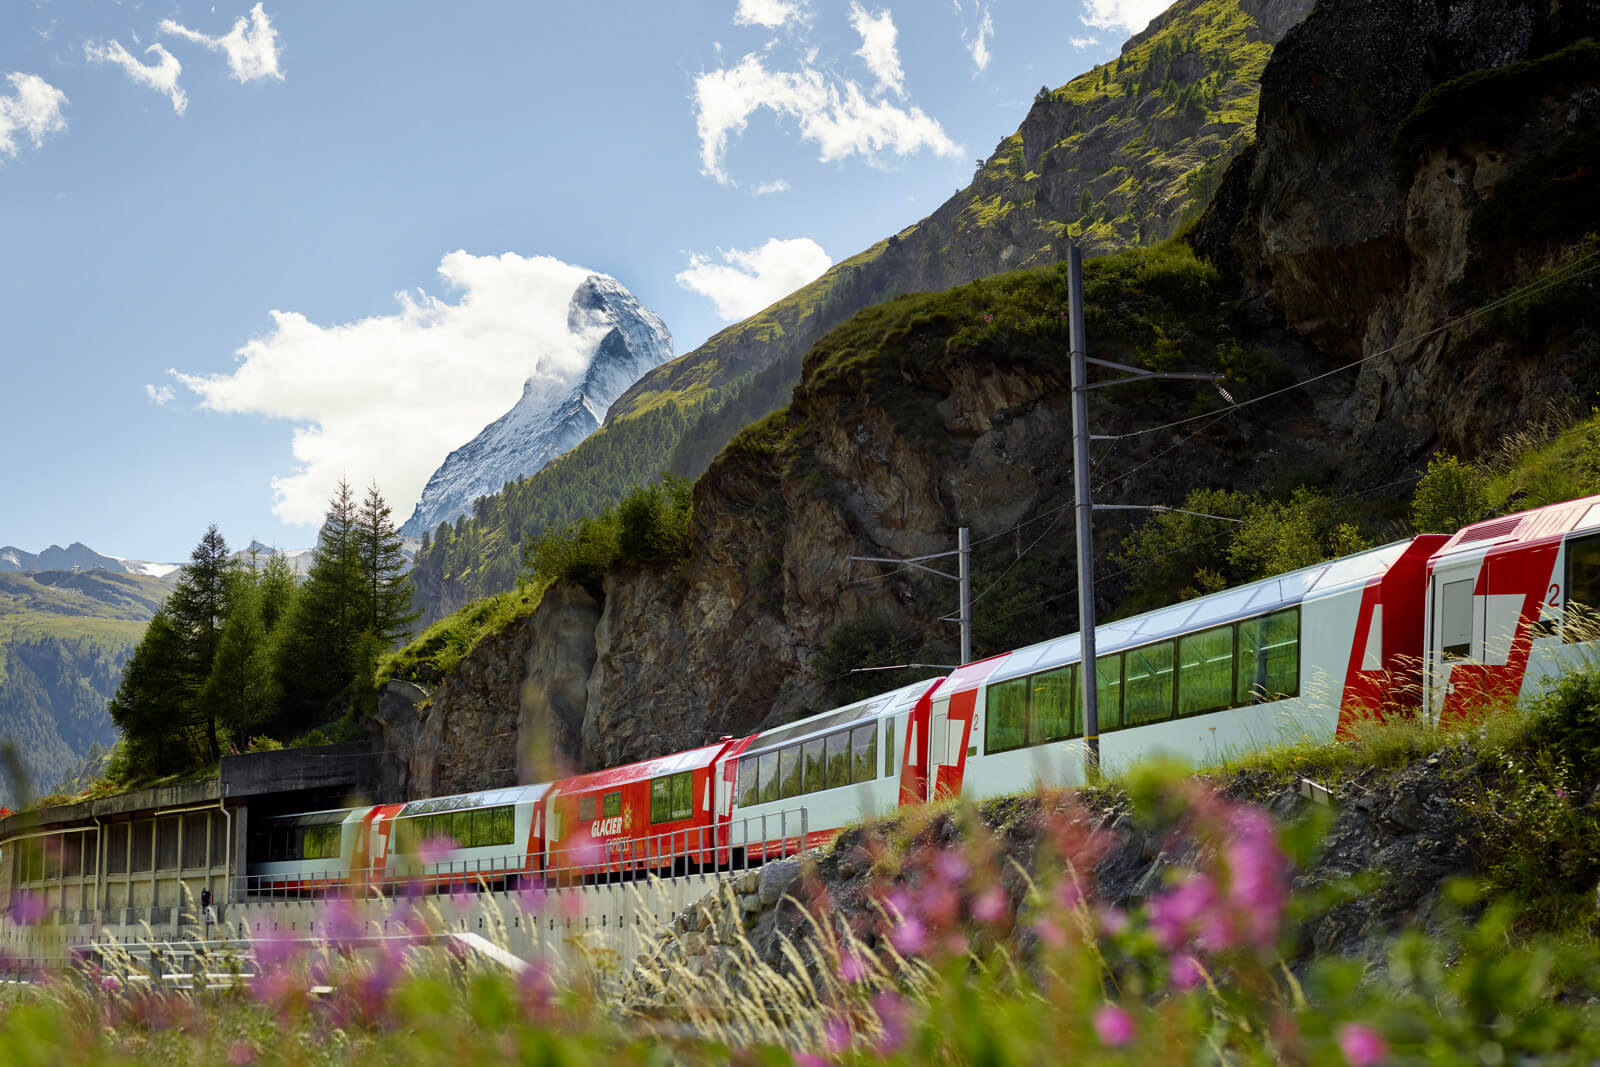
pixel 1269 657
pixel 1005 723
pixel 1051 705
pixel 672 797
pixel 749 782
pixel 888 747
pixel 839 759
pixel 814 755
pixel 769 777
pixel 864 753
pixel 789 772
pixel 1582 619
pixel 1147 684
pixel 1108 690
pixel 1205 671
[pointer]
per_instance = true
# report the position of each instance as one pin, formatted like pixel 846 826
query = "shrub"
pixel 1450 495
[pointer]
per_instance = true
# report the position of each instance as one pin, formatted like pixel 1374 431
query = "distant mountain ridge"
pixel 551 416
pixel 77 557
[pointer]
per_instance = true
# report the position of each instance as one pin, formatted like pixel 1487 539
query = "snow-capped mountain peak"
pixel 556 411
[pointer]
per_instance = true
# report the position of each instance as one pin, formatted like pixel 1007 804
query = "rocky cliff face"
pixel 1371 234
pixel 553 414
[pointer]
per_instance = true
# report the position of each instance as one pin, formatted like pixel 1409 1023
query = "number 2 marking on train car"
pixel 1555 596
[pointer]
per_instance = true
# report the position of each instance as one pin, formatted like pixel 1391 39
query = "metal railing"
pixel 738 845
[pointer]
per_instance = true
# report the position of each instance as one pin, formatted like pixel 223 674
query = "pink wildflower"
pixel 836 1036
pixel 1113 920
pixel 1173 915
pixel 241 1054
pixel 910 936
pixel 1049 933
pixel 1068 894
pixel 891 1011
pixel 1185 972
pixel 110 984
pixel 1113 1025
pixel 852 968
pixel 27 908
pixel 952 866
pixel 1362 1046
pixel 939 904
pixel 990 905
pixel 435 850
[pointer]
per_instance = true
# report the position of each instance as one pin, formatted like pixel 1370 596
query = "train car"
pixel 657 816
pixel 1511 603
pixel 495 836
pixel 1292 656
pixel 308 853
pixel 840 766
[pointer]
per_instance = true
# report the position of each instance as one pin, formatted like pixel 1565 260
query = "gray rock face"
pixel 553 414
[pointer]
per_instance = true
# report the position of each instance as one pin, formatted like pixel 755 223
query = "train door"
pixel 1455 630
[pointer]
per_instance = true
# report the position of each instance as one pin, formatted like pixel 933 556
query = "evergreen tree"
pixel 316 654
pixel 241 691
pixel 386 586
pixel 148 707
pixel 199 607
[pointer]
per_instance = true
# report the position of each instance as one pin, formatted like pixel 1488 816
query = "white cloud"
pixel 1084 42
pixel 836 115
pixel 769 188
pixel 388 397
pixel 162 75
pixel 162 396
pixel 768 13
pixel 878 35
pixel 977 41
pixel 746 282
pixel 1130 15
pixel 251 46
pixel 34 109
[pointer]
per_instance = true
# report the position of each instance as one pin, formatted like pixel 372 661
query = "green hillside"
pixel 64 637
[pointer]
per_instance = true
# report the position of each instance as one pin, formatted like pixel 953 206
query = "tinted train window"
pixel 1005 722
pixel 749 782
pixel 864 753
pixel 1050 706
pixel 1205 671
pixel 888 746
pixel 1269 657
pixel 814 776
pixel 672 797
pixel 789 772
pixel 611 804
pixel 769 777
pixel 1582 619
pixel 1147 684
pixel 586 808
pixel 1108 690
pixel 839 759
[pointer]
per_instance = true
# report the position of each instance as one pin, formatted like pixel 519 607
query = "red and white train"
pixel 1433 625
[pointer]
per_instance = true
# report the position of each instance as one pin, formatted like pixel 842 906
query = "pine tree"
pixel 386 585
pixel 241 691
pixel 317 653
pixel 148 707
pixel 199 607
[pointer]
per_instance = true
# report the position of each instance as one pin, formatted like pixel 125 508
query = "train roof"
pixel 1525 527
pixel 1243 602
pixel 867 710
pixel 694 759
pixel 488 798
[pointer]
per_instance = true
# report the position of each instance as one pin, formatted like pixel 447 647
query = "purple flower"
pixel 1362 1046
pixel 110 984
pixel 1185 972
pixel 27 908
pixel 952 866
pixel 1113 920
pixel 852 968
pixel 435 850
pixel 1068 894
pixel 1049 932
pixel 836 1036
pixel 1113 1025
pixel 1562 793
pixel 909 937
pixel 1173 915
pixel 241 1054
pixel 990 905
pixel 891 1010
pixel 342 922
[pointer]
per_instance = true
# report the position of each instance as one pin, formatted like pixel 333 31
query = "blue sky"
pixel 250 247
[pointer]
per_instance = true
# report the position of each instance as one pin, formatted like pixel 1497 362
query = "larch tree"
pixel 317 653
pixel 199 606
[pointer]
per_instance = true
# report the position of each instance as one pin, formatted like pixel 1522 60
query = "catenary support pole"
pixel 965 548
pixel 1085 515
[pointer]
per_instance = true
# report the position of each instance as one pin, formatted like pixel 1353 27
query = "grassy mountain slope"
pixel 1122 155
pixel 64 637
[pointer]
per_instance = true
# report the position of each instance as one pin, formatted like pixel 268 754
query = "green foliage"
pixel 1176 556
pixel 1279 537
pixel 435 653
pixel 1450 495
pixel 867 641
pixel 1474 106
pixel 653 521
